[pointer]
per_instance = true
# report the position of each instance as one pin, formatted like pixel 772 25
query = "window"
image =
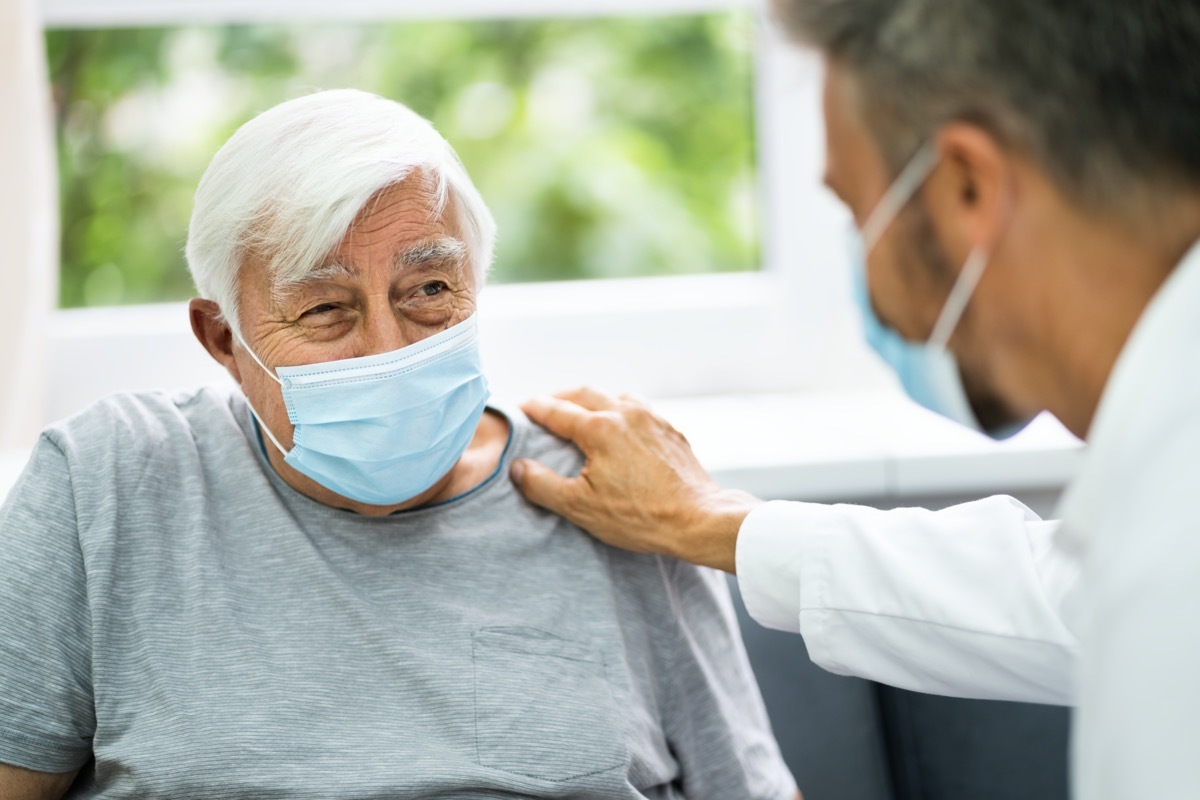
pixel 732 282
pixel 606 147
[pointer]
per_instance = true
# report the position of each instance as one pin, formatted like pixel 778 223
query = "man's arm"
pixel 713 714
pixel 963 601
pixel 47 715
pixel 17 783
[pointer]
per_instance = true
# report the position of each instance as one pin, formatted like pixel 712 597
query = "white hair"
pixel 289 183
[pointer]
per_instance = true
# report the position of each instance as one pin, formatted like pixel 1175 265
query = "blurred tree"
pixel 606 147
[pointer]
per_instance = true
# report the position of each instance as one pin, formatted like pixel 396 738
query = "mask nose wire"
pixel 250 405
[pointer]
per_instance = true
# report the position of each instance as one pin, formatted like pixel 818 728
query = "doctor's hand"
pixel 641 488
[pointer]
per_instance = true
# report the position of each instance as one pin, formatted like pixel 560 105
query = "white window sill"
pixel 844 446
pixel 847 446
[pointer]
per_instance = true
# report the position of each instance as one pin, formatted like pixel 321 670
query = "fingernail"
pixel 517 471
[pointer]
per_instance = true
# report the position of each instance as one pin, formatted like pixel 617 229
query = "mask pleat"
pixel 395 434
pixel 390 481
pixel 377 397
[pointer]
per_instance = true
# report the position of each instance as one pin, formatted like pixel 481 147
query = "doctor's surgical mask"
pixel 382 429
pixel 927 370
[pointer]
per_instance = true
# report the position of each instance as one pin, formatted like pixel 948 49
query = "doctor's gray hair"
pixel 289 183
pixel 1103 96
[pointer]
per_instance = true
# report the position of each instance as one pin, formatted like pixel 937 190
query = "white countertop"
pixel 858 445
pixel 842 447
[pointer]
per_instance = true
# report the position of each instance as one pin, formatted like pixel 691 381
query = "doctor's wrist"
pixel 710 538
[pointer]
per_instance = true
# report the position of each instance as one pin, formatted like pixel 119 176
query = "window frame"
pixel 770 331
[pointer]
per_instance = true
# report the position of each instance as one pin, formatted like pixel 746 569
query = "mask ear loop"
pixel 250 405
pixel 898 194
pixel 246 347
pixel 964 286
pixel 266 430
pixel 960 295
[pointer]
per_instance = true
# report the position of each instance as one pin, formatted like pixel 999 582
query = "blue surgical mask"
pixel 929 376
pixel 382 429
pixel 927 370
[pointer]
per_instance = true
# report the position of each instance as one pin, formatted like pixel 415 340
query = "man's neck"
pixel 1097 302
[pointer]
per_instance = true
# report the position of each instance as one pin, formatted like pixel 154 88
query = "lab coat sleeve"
pixel 961 602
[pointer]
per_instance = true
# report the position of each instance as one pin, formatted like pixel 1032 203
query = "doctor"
pixel 1026 178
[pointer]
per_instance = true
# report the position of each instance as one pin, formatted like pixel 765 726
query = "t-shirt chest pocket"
pixel 544 706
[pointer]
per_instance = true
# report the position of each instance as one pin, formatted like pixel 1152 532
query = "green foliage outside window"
pixel 610 147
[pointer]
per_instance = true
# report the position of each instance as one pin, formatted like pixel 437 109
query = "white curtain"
pixel 28 221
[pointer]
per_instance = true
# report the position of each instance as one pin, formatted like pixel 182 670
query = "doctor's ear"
pixel 213 332
pixel 974 185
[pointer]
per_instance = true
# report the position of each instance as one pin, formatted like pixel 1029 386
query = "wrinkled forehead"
pixel 411 225
pixel 414 210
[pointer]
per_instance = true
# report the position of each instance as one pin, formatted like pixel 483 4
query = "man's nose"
pixel 384 328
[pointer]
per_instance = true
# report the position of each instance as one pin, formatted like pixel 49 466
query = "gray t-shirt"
pixel 180 622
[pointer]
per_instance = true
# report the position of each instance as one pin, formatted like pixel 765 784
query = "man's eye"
pixel 433 288
pixel 324 308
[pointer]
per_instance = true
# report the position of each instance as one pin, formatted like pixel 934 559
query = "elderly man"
pixel 324 585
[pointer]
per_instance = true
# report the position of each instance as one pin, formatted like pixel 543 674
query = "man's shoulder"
pixel 530 440
pixel 657 575
pixel 143 451
pixel 144 424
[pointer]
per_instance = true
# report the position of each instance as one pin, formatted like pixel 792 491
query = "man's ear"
pixel 213 332
pixel 974 188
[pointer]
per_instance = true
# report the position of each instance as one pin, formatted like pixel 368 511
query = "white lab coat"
pixel 985 600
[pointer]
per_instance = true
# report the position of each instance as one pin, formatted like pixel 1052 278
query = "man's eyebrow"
pixel 445 250
pixel 442 250
pixel 333 270
pixel 327 272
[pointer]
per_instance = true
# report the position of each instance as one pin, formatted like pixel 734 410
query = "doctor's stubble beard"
pixel 924 261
